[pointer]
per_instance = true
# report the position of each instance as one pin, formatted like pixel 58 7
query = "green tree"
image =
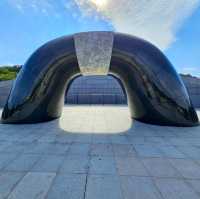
pixel 9 72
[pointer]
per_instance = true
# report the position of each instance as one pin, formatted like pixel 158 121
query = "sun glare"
pixel 99 3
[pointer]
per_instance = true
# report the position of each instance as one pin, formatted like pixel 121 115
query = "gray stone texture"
pixel 104 155
pixel 103 187
pixel 8 181
pixel 139 188
pixel 94 50
pixel 175 189
pixel 68 187
pixel 32 186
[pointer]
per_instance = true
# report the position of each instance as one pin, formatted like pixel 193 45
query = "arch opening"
pixel 96 90
pixel 146 74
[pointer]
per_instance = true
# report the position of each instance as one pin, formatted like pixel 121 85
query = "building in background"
pixel 96 90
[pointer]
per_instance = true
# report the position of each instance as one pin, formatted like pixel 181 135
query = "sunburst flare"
pixel 99 3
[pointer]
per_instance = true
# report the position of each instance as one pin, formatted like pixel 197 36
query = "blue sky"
pixel 174 27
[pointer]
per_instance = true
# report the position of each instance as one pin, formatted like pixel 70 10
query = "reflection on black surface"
pixel 156 94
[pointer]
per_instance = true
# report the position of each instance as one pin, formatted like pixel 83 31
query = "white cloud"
pixel 154 20
pixel 43 6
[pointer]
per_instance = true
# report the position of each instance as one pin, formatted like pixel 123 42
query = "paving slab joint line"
pixel 191 186
pixel 85 187
pixel 58 171
pixel 157 188
pixel 39 158
pixel 69 147
pixel 179 172
pixel 10 161
pixel 50 186
pixel 87 173
pixel 153 181
pixel 120 184
pixel 25 173
pixel 183 152
pixel 64 157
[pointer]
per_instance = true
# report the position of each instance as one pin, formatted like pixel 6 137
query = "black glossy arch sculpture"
pixel 156 94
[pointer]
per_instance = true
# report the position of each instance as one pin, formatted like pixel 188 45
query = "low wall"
pixel 193 86
pixel 104 90
pixel 4 91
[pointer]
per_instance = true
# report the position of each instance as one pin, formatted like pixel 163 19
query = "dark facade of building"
pixel 96 90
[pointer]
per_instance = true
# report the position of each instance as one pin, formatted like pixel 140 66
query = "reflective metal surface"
pixel 156 94
pixel 93 50
pixel 38 92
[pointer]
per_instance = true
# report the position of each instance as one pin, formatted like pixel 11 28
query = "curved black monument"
pixel 156 94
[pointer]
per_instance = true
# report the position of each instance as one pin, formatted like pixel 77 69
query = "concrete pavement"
pixel 97 152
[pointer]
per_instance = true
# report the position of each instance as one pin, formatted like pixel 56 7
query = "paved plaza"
pixel 98 152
